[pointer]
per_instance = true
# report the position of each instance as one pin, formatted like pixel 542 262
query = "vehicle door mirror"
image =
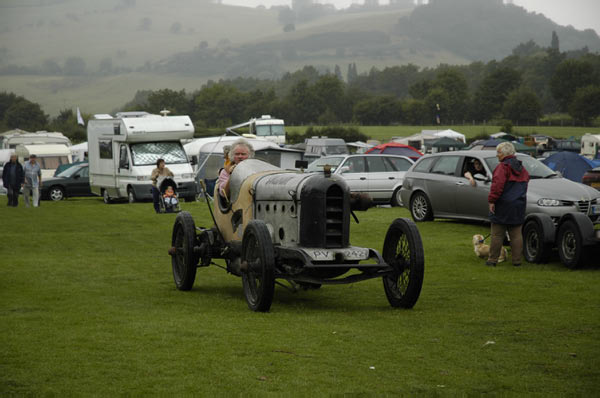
pixel 345 169
pixel 123 164
pixel 480 177
pixel 194 160
pixel 76 176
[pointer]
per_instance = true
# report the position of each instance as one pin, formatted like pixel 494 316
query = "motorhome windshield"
pixel 148 153
pixel 267 130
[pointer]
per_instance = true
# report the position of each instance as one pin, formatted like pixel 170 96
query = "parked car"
pixel 395 148
pixel 592 178
pixel 380 176
pixel 73 181
pixel 560 213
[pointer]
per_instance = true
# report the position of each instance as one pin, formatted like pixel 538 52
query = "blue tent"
pixel 571 165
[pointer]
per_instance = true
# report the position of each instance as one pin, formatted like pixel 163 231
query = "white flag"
pixel 79 118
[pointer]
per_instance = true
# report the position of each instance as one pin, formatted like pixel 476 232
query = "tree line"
pixel 521 88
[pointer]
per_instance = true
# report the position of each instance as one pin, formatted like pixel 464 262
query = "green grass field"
pixel 88 307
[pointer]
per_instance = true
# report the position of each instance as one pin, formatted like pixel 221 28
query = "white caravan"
pixel 122 152
pixel 590 145
pixel 49 156
pixel 265 127
pixel 10 139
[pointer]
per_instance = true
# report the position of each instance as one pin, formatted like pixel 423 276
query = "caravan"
pixel 123 152
pixel 590 146
pixel 49 156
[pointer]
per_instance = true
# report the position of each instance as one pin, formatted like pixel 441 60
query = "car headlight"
pixel 548 202
pixel 143 178
pixel 187 175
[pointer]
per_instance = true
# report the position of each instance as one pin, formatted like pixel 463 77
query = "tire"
pixel 184 261
pixel 396 199
pixel 131 195
pixel 105 196
pixel 403 250
pixel 56 193
pixel 420 207
pixel 259 278
pixel 570 245
pixel 535 249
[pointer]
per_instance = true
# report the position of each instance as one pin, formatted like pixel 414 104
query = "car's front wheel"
pixel 396 199
pixel 420 207
pixel 131 195
pixel 570 245
pixel 56 193
pixel 535 249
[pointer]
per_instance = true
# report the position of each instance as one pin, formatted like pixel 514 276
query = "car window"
pixel 376 164
pixel 424 164
pixel 534 167
pixel 318 164
pixel 400 164
pixel 445 165
pixel 85 172
pixel 469 165
pixel 355 165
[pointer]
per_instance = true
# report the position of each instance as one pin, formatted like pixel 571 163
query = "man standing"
pixel 33 180
pixel 12 178
pixel 507 202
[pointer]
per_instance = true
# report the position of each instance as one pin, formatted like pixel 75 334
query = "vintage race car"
pixel 294 227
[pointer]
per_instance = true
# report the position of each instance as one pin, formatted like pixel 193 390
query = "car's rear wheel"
pixel 570 245
pixel 258 256
pixel 105 196
pixel 396 199
pixel 56 193
pixel 420 207
pixel 403 251
pixel 183 258
pixel 131 195
pixel 535 249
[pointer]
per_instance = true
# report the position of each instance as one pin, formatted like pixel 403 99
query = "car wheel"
pixel 183 259
pixel 403 251
pixel 534 248
pixel 396 199
pixel 131 195
pixel 105 196
pixel 420 207
pixel 570 245
pixel 258 256
pixel 56 193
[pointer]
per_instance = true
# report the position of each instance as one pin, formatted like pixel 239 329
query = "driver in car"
pixel 240 151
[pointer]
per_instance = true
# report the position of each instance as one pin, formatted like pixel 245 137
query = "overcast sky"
pixel 582 14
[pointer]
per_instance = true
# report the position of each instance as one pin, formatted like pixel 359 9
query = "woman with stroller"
pixel 160 171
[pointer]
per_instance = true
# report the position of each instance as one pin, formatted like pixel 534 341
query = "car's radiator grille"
pixel 334 205
pixel 583 206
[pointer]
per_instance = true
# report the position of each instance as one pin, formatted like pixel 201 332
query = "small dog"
pixel 482 250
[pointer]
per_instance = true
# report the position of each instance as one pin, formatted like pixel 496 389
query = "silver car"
pixel 435 187
pixel 380 176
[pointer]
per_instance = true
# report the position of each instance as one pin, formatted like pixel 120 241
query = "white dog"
pixel 482 250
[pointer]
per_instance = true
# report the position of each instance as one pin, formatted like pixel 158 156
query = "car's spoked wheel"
pixel 183 259
pixel 420 207
pixel 258 263
pixel 403 250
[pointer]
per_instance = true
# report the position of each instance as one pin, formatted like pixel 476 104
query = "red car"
pixel 394 148
pixel 592 178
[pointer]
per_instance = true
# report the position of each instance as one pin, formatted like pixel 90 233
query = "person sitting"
pixel 475 168
pixel 240 151
pixel 170 198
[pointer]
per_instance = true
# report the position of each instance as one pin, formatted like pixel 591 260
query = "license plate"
pixel 595 209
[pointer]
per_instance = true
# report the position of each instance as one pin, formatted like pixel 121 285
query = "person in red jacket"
pixel 507 201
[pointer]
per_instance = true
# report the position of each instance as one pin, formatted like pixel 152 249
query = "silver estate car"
pixel 435 187
pixel 380 176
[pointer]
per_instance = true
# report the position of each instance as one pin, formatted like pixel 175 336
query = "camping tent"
pixel 571 165
pixel 455 135
pixel 445 144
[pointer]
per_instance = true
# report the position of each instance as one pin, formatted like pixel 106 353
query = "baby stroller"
pixel 168 201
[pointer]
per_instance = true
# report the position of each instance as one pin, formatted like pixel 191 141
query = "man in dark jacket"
pixel 12 178
pixel 507 202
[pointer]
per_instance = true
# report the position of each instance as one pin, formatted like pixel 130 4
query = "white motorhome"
pixel 122 152
pixel 10 139
pixel 265 127
pixel 590 145
pixel 49 156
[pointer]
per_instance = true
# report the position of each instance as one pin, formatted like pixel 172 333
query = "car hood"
pixel 561 189
pixel 51 180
